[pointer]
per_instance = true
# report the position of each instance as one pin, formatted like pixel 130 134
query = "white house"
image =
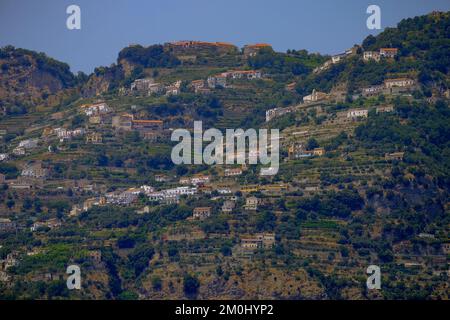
pixel 371 55
pixel 358 113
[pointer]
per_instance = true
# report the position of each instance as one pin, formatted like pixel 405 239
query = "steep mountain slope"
pixel 28 79
pixel 351 191
pixel 423 45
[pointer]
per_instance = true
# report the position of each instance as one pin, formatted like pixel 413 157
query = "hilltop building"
pixel 315 96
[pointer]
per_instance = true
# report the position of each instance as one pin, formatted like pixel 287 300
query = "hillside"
pixel 29 79
pixel 423 51
pixel 86 175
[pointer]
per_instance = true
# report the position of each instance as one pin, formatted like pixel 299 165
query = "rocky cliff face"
pixel 100 82
pixel 28 78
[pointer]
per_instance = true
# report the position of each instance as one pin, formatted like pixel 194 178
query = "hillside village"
pixel 86 175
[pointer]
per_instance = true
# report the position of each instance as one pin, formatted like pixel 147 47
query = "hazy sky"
pixel 326 26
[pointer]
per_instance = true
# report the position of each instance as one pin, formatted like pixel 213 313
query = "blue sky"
pixel 325 26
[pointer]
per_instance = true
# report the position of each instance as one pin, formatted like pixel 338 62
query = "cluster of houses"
pixel 336 59
pixel 34 170
pixel 148 86
pixel 95 109
pixel 24 146
pixel 220 80
pixel 195 180
pixel 367 56
pixel 171 195
pixel 127 197
pixel 64 134
pixel 377 55
pixel 118 197
pixel 358 114
pixel 32 176
pixel 298 151
pixel 228 206
pixel 98 113
pixel 252 243
pixel 390 86
pixel 148 129
pixel 315 96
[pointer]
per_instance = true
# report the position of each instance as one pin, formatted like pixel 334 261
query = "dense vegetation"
pixel 149 57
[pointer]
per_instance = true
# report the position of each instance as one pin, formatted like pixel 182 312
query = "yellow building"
pixel 319 152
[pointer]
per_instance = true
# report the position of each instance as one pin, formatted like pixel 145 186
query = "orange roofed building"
pixel 148 129
pixel 388 52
